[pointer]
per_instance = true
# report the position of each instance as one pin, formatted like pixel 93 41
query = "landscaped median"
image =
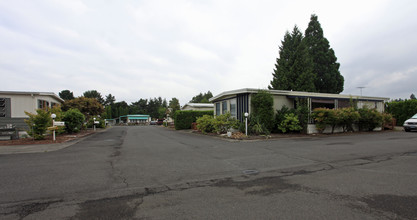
pixel 48 139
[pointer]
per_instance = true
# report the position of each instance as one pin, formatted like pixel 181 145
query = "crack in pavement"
pixel 23 210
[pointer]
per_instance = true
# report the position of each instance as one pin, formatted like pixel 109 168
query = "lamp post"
pixel 246 123
pixel 53 116
pixel 94 124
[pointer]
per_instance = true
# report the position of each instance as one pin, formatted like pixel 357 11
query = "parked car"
pixel 410 124
pixel 152 123
pixel 160 121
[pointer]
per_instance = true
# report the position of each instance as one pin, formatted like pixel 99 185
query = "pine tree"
pixel 328 78
pixel 293 70
pixel 66 95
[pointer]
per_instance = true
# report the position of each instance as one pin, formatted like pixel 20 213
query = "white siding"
pixel 21 103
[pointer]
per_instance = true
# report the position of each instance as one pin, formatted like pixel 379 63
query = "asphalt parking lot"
pixel 155 173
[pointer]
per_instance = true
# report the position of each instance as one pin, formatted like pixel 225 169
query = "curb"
pixel 41 148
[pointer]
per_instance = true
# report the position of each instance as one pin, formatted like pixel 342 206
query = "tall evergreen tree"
pixel 109 100
pixel 94 94
pixel 66 95
pixel 202 98
pixel 328 78
pixel 294 67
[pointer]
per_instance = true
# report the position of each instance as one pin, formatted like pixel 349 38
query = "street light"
pixel 94 124
pixel 53 116
pixel 246 123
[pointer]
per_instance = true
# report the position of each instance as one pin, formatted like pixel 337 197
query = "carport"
pixel 134 119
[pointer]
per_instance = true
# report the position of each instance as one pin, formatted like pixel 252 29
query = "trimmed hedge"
pixel 402 110
pixel 184 119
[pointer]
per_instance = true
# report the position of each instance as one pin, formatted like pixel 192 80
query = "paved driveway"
pixel 156 173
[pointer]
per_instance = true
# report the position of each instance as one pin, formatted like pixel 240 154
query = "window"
pixel 2 107
pixel 322 103
pixel 42 104
pixel 341 103
pixel 218 108
pixel 233 107
pixel 224 107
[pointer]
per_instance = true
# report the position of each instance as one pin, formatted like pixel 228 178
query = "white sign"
pixel 96 122
pixel 59 123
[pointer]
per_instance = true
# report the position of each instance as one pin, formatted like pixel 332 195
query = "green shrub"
pixel 347 117
pixel 184 119
pixel 220 124
pixel 321 117
pixel 369 119
pixel 387 118
pixel 101 124
pixel 223 123
pixel 205 123
pixel 38 123
pixel 290 123
pixel 256 127
pixel 280 117
pixel 262 108
pixel 402 110
pixel 74 120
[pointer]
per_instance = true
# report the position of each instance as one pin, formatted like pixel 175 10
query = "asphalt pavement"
pixel 151 172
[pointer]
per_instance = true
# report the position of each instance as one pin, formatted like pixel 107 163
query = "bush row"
pixel 219 124
pixel 74 121
pixel 402 110
pixel 184 119
pixel 366 119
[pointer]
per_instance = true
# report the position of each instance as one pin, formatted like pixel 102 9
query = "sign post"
pixel 55 125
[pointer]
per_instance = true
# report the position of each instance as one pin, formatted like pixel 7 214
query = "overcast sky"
pixel 145 49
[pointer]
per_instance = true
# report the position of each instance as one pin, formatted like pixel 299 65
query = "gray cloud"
pixel 135 49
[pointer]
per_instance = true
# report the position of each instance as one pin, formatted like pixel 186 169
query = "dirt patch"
pixel 60 138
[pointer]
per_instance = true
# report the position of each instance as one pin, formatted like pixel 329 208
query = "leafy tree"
pixel 38 123
pixel 94 94
pixel 412 96
pixel 294 67
pixel 66 95
pixel 262 108
pixel 202 98
pixel 328 78
pixel 87 106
